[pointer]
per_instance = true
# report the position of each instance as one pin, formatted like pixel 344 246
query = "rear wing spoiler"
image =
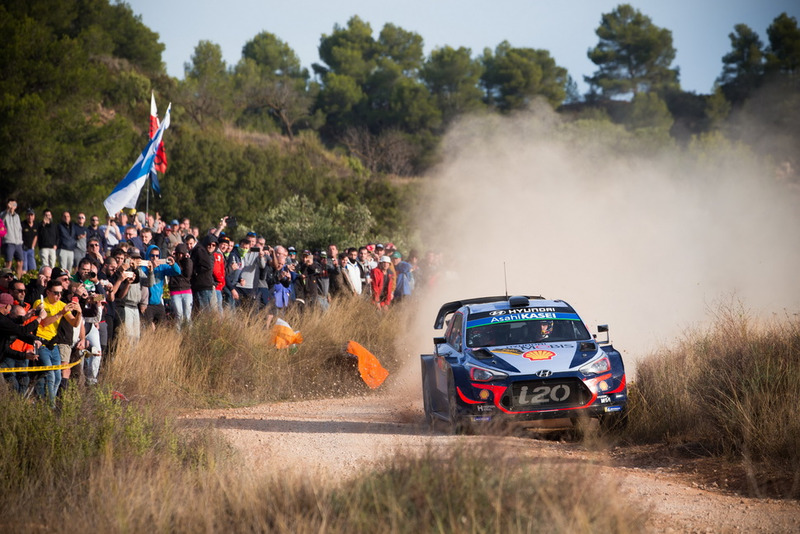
pixel 450 307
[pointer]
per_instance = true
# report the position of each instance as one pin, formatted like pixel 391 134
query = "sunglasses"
pixel 56 292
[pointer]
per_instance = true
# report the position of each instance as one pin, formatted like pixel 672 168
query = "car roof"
pixel 486 304
pixel 504 305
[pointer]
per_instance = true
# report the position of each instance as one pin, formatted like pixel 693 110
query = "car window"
pixel 454 332
pixel 526 332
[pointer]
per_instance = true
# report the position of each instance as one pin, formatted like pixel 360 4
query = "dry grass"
pixel 102 465
pixel 729 391
pixel 228 360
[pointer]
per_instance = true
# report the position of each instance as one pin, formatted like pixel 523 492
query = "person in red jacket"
pixel 383 283
pixel 219 274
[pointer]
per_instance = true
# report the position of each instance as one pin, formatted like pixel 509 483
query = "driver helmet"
pixel 546 328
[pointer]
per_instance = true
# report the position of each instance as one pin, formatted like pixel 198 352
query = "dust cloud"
pixel 648 241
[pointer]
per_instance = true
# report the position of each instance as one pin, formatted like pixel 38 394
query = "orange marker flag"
pixel 283 335
pixel 372 372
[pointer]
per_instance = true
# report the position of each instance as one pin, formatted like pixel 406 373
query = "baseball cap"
pixel 385 259
pixel 291 249
pixel 306 253
pixel 323 254
pixel 397 255
pixel 134 253
pixel 58 272
pixel 181 248
pixel 6 271
pixel 6 299
pixel 379 245
pixel 30 211
pixel 174 222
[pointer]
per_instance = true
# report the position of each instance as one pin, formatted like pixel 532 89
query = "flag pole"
pixel 147 202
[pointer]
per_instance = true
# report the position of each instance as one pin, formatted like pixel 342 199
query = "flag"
pixel 371 370
pixel 160 163
pixel 284 335
pixel 127 191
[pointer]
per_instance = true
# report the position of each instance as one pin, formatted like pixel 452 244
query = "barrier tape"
pixel 40 368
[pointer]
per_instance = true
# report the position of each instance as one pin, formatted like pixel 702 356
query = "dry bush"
pixel 229 360
pixel 731 390
pixel 447 490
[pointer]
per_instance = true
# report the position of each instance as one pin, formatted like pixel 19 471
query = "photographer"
pixel 309 282
pixel 280 282
pixel 18 341
pixel 180 286
pixel 155 273
pixel 128 296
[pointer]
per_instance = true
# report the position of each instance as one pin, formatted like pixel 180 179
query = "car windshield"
pixel 526 332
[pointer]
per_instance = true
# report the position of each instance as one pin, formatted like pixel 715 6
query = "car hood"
pixel 555 357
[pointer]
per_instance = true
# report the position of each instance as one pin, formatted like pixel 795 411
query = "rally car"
pixel 520 359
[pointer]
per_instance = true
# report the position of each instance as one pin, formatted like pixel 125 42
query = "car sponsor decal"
pixel 536 355
pixel 477 320
pixel 541 309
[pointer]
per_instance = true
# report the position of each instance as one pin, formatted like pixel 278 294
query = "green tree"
pixel 452 77
pixel 371 86
pixel 514 76
pixel 270 81
pixel 55 135
pixel 348 51
pixel 299 221
pixel 649 111
pixel 743 66
pixel 783 55
pixel 633 55
pixel 206 91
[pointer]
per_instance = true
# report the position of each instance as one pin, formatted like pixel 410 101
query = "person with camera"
pixel 128 295
pixel 309 282
pixel 203 282
pixel 18 341
pixel 156 273
pixel 55 310
pixel 253 262
pixel 180 286
pixel 282 277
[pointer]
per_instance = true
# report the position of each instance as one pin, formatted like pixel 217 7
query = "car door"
pixel 445 357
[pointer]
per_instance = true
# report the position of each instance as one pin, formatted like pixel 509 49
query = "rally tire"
pixel 458 424
pixel 427 403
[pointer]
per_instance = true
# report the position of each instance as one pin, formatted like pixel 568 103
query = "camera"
pixel 231 222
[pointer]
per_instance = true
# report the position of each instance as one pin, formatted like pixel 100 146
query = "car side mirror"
pixel 436 342
pixel 603 328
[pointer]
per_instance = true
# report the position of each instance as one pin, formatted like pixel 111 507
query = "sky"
pixel 700 28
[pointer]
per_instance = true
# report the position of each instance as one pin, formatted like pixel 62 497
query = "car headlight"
pixel 596 367
pixel 479 374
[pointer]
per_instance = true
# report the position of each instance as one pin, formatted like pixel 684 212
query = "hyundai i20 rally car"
pixel 520 359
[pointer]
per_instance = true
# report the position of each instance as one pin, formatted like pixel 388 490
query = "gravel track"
pixel 333 439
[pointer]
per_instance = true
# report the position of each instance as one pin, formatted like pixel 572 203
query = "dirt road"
pixel 332 439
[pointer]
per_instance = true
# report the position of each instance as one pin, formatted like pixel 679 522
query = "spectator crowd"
pixel 96 281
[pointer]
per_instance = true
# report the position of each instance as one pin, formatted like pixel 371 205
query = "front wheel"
pixel 426 402
pixel 458 424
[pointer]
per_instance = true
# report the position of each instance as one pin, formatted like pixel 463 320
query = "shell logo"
pixel 536 355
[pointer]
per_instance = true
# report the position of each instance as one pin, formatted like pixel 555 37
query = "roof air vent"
pixel 518 301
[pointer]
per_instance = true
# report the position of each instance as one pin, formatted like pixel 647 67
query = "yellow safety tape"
pixel 40 368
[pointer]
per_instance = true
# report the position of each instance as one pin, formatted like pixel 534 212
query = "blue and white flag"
pixel 127 191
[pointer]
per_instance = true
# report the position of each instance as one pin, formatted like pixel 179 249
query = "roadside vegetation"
pixel 100 463
pixel 730 391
